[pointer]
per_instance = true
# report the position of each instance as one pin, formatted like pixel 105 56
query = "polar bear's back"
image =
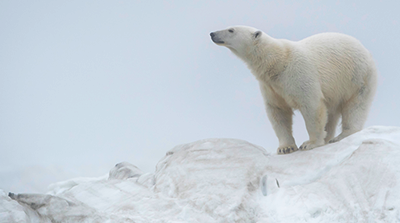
pixel 343 64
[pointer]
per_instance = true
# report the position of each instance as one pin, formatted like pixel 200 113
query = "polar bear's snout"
pixel 215 38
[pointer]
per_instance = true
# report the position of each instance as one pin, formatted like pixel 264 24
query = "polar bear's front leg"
pixel 280 116
pixel 315 117
pixel 281 120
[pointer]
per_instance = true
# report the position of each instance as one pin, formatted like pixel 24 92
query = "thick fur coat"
pixel 325 76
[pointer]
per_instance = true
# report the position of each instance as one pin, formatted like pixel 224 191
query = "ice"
pixel 230 180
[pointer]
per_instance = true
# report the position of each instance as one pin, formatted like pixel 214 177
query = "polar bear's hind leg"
pixel 355 111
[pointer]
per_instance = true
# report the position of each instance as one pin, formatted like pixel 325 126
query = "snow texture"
pixel 229 180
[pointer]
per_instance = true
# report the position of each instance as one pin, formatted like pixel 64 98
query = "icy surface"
pixel 229 180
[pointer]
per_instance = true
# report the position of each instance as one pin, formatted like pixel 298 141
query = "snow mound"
pixel 229 180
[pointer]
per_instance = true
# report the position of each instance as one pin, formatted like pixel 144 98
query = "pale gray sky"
pixel 87 84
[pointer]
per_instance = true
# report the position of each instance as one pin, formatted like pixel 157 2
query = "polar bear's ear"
pixel 257 34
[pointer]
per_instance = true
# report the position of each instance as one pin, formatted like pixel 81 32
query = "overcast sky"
pixel 87 84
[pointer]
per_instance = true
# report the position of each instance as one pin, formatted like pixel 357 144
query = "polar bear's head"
pixel 239 39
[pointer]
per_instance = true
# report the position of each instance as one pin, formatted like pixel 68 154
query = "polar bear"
pixel 325 76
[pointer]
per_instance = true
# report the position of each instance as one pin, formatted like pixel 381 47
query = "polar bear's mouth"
pixel 218 41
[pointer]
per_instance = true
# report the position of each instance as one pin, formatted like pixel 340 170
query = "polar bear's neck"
pixel 267 58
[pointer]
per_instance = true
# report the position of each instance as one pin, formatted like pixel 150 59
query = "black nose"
pixel 212 34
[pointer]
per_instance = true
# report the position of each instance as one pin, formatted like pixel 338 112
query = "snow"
pixel 230 180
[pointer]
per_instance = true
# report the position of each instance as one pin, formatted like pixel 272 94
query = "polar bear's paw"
pixel 287 149
pixel 307 145
pixel 339 137
pixel 334 140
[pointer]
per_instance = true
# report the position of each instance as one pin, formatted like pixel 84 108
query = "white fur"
pixel 325 76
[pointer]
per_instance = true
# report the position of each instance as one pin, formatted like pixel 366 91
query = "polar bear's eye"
pixel 230 30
